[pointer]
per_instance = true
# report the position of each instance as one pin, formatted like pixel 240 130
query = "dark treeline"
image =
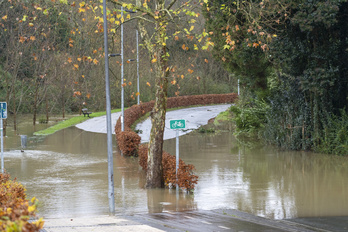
pixel 293 55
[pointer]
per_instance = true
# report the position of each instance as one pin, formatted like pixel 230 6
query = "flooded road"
pixel 67 172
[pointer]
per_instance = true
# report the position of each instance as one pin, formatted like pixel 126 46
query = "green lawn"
pixel 71 122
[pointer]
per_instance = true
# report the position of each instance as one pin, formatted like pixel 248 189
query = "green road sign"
pixel 177 124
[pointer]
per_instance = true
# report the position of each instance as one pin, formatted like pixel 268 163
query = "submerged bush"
pixel 186 178
pixel 249 116
pixel 335 139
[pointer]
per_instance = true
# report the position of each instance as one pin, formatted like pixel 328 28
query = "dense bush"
pixel 335 139
pixel 186 178
pixel 15 210
pixel 249 116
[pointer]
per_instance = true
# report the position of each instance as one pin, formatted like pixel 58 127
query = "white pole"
pixel 238 87
pixel 138 89
pixel 2 146
pixel 177 158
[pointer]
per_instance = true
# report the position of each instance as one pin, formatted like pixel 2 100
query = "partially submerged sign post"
pixel 177 125
pixel 3 115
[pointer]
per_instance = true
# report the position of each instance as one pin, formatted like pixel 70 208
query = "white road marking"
pixel 206 222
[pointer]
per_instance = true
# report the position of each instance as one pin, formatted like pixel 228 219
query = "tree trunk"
pixel 47 114
pixel 14 110
pixel 154 177
pixel 35 104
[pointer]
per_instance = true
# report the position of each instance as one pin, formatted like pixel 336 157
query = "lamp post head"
pixel 113 55
pixel 130 11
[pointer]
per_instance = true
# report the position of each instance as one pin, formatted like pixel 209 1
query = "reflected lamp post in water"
pixel 111 194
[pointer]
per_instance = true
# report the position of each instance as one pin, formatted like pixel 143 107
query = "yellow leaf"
pixel 69 60
pixel 82 4
pixel 39 8
pixel 128 16
pixel 76 66
pixel 148 83
pixel 31 208
pixel 153 60
pixel 122 20
pixel 4 17
pixel 192 27
pixel 32 38
pixel 79 59
pixel 31 24
pixel 95 61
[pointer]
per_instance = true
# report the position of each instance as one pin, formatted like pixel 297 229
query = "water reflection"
pixel 67 172
pixel 264 181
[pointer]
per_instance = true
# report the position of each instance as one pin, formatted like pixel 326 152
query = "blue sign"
pixel 3 110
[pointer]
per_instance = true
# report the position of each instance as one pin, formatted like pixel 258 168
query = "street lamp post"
pixel 111 194
pixel 138 88
pixel 122 73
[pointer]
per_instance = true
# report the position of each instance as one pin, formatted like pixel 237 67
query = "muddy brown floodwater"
pixel 67 172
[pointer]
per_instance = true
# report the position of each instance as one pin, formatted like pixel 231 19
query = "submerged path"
pixel 195 117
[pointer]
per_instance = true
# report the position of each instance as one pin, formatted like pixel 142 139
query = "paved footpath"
pixel 194 117
pixel 193 221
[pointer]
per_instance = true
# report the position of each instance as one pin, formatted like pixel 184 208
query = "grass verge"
pixel 71 122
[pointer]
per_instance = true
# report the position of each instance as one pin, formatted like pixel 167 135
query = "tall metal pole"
pixel 111 194
pixel 2 146
pixel 122 73
pixel 138 89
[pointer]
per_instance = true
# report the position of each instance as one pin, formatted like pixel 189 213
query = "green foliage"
pixel 249 116
pixel 241 32
pixel 313 88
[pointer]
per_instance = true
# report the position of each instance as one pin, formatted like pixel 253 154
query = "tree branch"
pixel 133 7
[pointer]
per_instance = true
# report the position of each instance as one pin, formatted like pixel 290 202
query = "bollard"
pixel 23 141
